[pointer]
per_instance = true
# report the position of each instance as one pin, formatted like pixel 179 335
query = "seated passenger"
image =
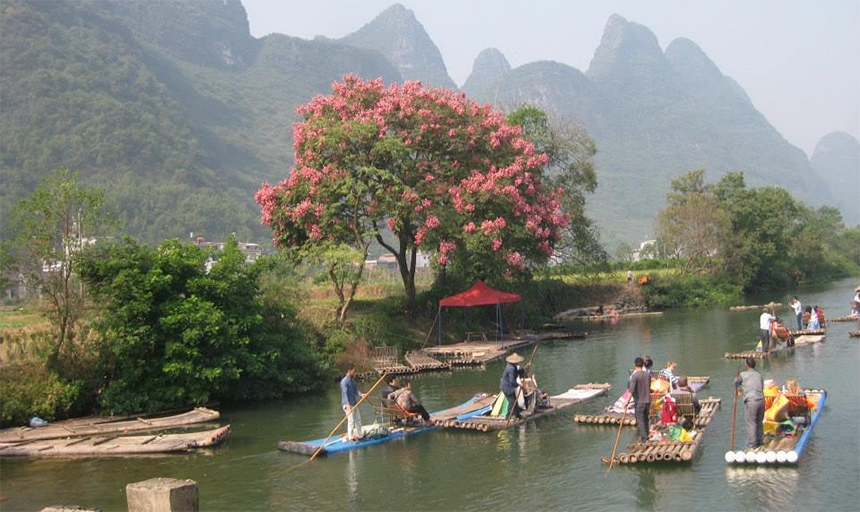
pixel 668 374
pixel 408 402
pixel 390 387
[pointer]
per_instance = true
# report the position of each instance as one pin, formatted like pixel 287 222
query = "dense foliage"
pixel 756 238
pixel 176 334
pixel 442 173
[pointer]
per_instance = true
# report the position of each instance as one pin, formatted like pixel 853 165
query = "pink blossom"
pixel 390 222
pixel 432 222
pixel 442 259
pixel 469 228
pixel 497 244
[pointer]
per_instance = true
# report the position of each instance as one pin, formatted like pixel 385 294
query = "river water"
pixel 549 464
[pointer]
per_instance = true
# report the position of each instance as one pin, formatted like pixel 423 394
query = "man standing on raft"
pixel 753 388
pixel 509 383
pixel 639 385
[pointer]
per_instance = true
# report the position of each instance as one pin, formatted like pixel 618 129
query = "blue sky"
pixel 799 60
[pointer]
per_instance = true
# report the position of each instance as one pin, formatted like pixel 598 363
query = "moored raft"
pixel 102 426
pixel 579 394
pixel 113 445
pixel 476 405
pixel 782 450
pixel 670 451
pixel 846 318
pixel 854 334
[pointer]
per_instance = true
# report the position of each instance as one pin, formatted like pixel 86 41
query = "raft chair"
pixel 684 406
pixel 393 414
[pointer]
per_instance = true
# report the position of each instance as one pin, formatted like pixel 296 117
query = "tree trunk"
pixel 406 267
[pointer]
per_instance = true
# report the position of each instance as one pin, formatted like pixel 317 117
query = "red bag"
pixel 669 413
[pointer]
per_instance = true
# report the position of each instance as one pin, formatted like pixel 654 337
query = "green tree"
pixel 51 226
pixel 176 334
pixel 570 166
pixel 756 256
pixel 693 228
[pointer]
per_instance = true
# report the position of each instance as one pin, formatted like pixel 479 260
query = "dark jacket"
pixel 639 385
pixel 509 378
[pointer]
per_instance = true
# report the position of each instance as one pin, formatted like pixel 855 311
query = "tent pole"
pixel 440 325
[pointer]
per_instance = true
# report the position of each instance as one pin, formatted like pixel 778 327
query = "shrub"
pixel 30 388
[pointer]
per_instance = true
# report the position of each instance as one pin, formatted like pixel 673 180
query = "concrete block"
pixel 163 495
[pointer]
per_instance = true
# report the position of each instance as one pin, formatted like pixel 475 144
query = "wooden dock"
pixel 670 451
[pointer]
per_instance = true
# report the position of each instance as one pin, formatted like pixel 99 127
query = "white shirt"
pixel 798 309
pixel 765 320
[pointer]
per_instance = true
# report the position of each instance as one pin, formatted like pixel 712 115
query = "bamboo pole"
pixel 618 436
pixel 369 391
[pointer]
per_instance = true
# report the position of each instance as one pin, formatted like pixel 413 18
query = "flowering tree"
pixel 444 174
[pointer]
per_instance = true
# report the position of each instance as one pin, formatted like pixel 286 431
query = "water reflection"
pixel 765 487
pixel 646 491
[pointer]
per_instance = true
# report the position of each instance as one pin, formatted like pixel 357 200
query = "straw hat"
pixel 514 358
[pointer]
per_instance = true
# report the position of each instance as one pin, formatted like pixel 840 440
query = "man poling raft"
pixel 519 392
pixel 787 418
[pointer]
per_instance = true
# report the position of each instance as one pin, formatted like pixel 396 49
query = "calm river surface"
pixel 549 464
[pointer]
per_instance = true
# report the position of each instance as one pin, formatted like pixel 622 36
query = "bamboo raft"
pixel 552 336
pixel 759 306
pixel 670 451
pixel 798 342
pixel 846 318
pixel 609 417
pixel 579 394
pixel 113 444
pixel 102 426
pixel 804 332
pixel 601 318
pixel 476 405
pixel 785 450
pixel 854 334
pixel 422 361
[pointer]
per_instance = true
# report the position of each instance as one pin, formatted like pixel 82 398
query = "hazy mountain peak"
pixel 837 141
pixel 837 160
pixel 489 65
pixel 401 38
pixel 683 53
pixel 626 48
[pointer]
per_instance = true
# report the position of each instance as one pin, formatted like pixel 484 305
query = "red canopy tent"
pixel 478 295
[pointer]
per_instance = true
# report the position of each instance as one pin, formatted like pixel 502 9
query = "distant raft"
pixel 783 450
pixel 485 422
pixel 114 445
pixel 846 318
pixel 756 306
pixel 798 342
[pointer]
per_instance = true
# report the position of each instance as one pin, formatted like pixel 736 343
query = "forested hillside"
pixel 171 106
